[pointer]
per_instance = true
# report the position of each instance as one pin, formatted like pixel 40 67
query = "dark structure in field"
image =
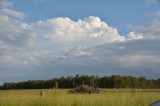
pixel 85 89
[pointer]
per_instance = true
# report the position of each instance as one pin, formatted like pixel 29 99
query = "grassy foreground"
pixel 61 97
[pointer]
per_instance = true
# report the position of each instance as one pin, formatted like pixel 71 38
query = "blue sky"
pixel 119 14
pixel 41 39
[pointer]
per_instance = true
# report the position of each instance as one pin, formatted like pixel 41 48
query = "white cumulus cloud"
pixel 134 36
pixel 66 29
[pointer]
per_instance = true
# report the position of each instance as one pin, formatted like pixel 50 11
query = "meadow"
pixel 62 97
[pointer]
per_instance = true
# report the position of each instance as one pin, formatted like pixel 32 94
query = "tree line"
pixel 114 81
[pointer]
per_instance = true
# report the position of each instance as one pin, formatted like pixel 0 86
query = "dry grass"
pixel 61 97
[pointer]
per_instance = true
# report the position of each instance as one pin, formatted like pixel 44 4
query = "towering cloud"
pixel 68 30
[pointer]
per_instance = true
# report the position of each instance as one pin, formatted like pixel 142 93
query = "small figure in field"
pixel 41 93
pixel 55 87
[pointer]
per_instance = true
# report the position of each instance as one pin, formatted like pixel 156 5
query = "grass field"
pixel 61 97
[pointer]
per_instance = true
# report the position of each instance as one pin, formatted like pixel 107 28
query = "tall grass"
pixel 61 97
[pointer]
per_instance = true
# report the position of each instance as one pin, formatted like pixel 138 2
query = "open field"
pixel 61 97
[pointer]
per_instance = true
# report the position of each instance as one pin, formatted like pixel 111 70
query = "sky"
pixel 42 39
